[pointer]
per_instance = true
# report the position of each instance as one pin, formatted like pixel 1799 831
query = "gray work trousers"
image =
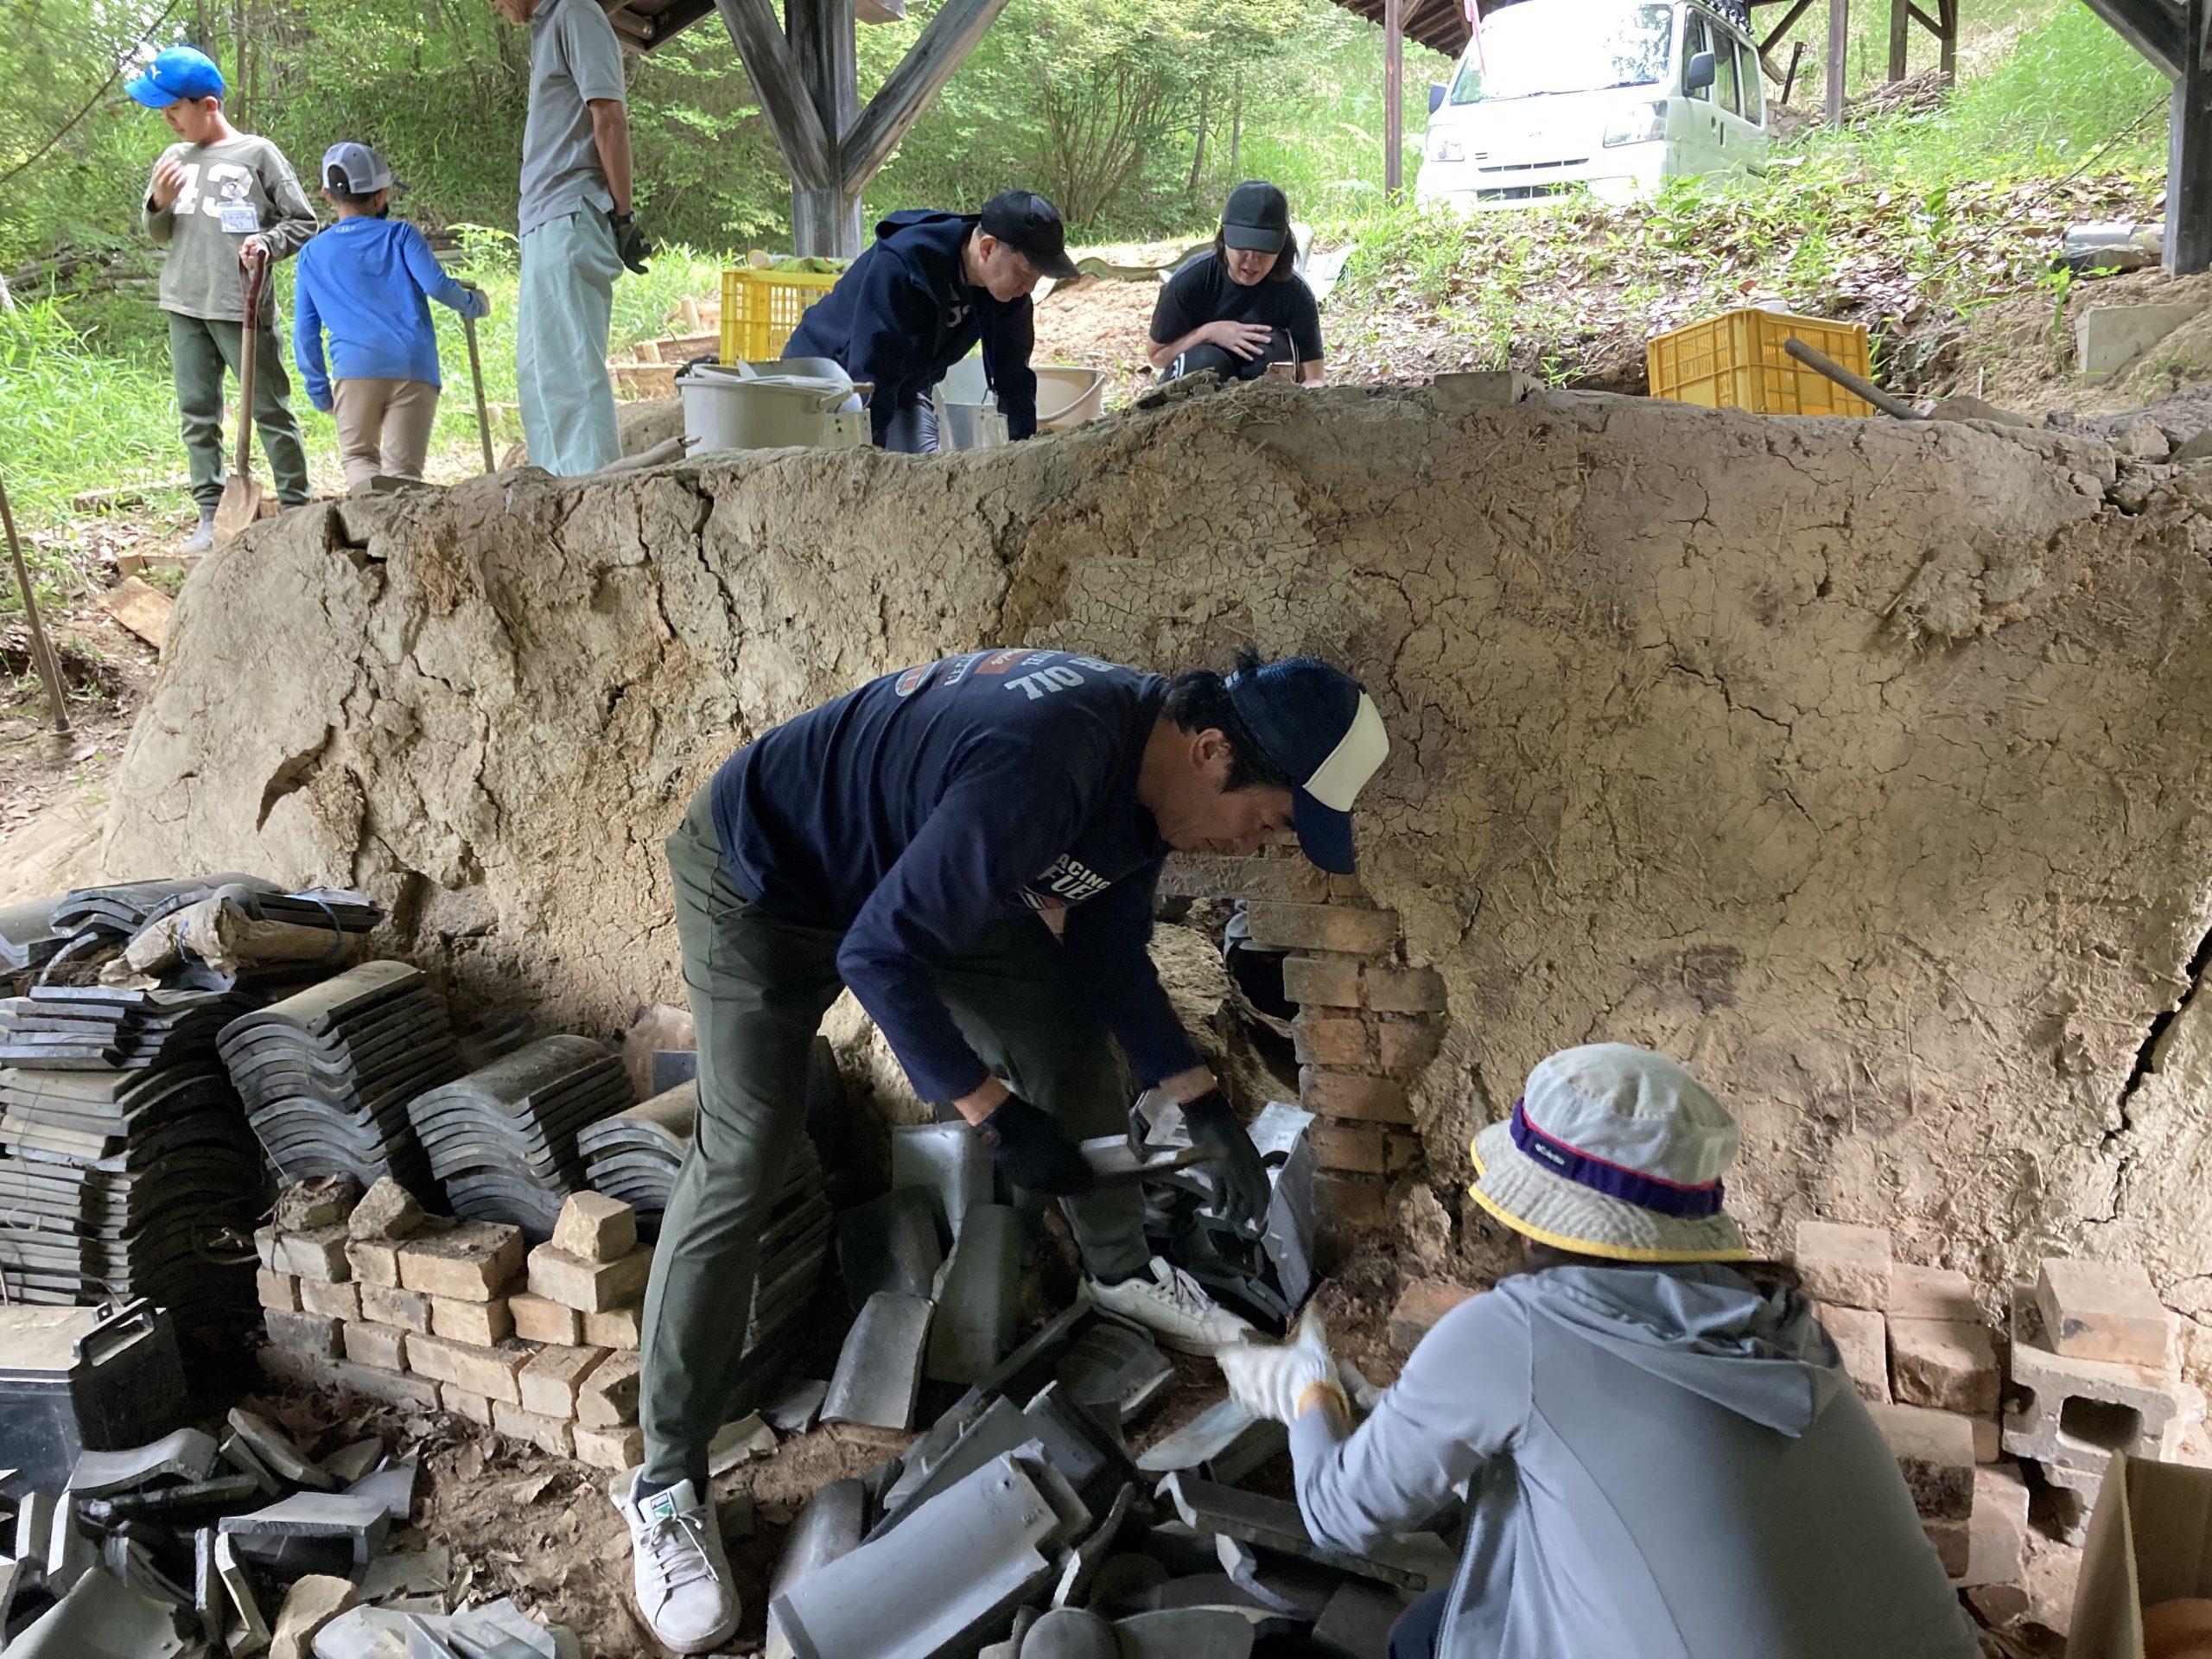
pixel 759 989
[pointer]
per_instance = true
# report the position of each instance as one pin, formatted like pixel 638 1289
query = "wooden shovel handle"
pixel 249 333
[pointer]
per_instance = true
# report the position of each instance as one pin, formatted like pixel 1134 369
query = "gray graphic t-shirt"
pixel 242 186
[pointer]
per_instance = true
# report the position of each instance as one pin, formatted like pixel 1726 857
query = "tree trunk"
pixel 1198 150
pixel 1236 126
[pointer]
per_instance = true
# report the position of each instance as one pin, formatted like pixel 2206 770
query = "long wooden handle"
pixel 476 375
pixel 249 333
pixel 41 648
pixel 1850 382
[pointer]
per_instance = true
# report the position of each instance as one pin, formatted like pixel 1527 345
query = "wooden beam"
pixel 905 92
pixel 772 68
pixel 826 219
pixel 1839 54
pixel 1774 36
pixel 1900 37
pixel 1924 20
pixel 2189 153
pixel 1394 96
pixel 2153 27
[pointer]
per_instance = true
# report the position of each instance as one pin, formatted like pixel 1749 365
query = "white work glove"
pixel 1270 1379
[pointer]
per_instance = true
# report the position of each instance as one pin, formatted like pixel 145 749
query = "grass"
pixel 89 404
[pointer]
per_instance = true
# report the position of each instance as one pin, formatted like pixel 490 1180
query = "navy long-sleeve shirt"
pixel 906 312
pixel 914 811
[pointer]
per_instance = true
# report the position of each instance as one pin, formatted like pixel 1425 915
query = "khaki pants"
pixel 383 426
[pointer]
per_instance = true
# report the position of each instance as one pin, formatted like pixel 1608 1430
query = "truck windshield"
pixel 1538 47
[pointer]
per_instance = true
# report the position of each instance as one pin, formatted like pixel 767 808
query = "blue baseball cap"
pixel 179 72
pixel 1318 724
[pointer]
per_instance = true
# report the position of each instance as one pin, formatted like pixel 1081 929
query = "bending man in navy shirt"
pixel 928 288
pixel 904 840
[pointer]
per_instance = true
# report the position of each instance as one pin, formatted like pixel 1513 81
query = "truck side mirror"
pixel 1700 74
pixel 1435 98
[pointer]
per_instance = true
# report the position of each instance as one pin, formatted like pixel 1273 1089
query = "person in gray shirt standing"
pixel 1661 1455
pixel 218 198
pixel 578 232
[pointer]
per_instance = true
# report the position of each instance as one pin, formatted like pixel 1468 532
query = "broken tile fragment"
pixel 879 1371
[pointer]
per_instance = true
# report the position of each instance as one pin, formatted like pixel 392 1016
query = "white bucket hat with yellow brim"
pixel 1614 1151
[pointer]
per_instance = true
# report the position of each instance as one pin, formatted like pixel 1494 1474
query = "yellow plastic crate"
pixel 761 307
pixel 1736 361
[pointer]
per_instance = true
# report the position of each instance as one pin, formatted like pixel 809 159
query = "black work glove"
pixel 1237 1165
pixel 1034 1151
pixel 629 241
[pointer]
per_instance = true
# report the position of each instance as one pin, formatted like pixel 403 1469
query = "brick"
pixel 1917 1292
pixel 480 1323
pixel 550 1380
pixel 1844 1264
pixel 320 1254
pixel 1352 1200
pixel 549 1433
pixel 595 1227
pixel 303 1333
pixel 321 1201
pixel 1347 890
pixel 387 1211
pixel 1401 991
pixel 540 1320
pixel 616 1327
pixel 1998 1552
pixel 1988 1438
pixel 473 1262
pixel 264 1248
pixel 461 1403
pixel 374 1262
pixel 1953 1543
pixel 408 1309
pixel 1948 1363
pixel 1327 982
pixel 1860 1337
pixel 2072 1414
pixel 607 1396
pixel 1935 1452
pixel 371 1382
pixel 488 1371
pixel 383 1347
pixel 1323 1037
pixel 277 1290
pixel 1356 1147
pixel 1405 1046
pixel 1216 875
pixel 337 1302
pixel 1420 1307
pixel 1349 1094
pixel 588 1287
pixel 1322 927
pixel 2104 1310
pixel 618 1449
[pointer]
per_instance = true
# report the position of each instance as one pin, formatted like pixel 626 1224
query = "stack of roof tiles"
pixel 634 1155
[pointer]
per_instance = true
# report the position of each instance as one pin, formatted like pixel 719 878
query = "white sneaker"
pixel 681 1571
pixel 1172 1306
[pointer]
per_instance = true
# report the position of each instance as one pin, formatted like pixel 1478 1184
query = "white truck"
pixel 1555 96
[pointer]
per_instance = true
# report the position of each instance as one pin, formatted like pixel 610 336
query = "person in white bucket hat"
pixel 1661 1454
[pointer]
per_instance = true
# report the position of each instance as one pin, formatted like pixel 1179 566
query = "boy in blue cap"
pixel 369 280
pixel 907 840
pixel 220 198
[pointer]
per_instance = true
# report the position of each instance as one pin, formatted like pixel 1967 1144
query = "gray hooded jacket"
pixel 1662 1463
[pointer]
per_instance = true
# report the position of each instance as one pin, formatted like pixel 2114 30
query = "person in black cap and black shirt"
pixel 934 284
pixel 1241 306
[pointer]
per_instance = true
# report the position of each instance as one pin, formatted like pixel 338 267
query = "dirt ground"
pixel 1099 323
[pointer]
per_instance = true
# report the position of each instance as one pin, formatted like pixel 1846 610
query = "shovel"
pixel 241 502
pixel 476 374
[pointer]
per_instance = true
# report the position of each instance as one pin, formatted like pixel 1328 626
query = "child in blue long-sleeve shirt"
pixel 368 281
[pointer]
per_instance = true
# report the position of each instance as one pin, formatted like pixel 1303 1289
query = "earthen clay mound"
pixel 1861 764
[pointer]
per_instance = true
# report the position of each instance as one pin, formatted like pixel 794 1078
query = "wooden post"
pixel 1393 96
pixel 826 216
pixel 1839 50
pixel 41 648
pixel 1900 27
pixel 2189 151
pixel 1947 64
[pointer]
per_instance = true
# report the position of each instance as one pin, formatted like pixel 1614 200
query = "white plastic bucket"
pixel 736 408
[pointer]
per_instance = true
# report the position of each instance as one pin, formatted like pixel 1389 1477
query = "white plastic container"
pixel 734 407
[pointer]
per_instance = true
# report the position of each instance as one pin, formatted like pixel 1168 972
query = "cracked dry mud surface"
pixel 1862 764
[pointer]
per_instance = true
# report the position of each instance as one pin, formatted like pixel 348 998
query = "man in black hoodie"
pixel 917 301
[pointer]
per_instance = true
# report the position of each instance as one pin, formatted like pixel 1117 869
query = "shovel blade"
pixel 239 507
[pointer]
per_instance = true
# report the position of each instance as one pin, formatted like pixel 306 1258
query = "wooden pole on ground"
pixel 1393 96
pixel 42 649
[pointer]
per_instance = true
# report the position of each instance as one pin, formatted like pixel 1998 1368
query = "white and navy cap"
pixel 364 170
pixel 1318 724
pixel 1614 1151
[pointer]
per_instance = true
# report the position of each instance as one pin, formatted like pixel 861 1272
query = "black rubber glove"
pixel 1242 1172
pixel 629 241
pixel 1034 1151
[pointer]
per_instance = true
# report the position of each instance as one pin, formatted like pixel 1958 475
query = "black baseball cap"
pixel 1257 218
pixel 1031 226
